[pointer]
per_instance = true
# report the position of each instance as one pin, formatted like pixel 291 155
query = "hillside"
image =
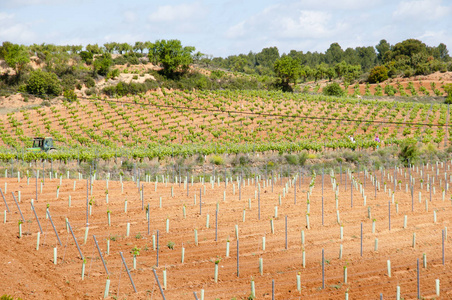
pixel 225 121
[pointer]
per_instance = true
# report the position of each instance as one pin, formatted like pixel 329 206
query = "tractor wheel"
pixel 52 151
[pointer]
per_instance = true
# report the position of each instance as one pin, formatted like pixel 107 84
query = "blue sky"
pixel 226 27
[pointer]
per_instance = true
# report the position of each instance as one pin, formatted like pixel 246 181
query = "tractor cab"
pixel 42 144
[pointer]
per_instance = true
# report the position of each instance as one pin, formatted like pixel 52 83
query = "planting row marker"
pixel 54 229
pixel 21 215
pixel 128 273
pixel 100 253
pixel 4 200
pixel 36 216
pixel 75 240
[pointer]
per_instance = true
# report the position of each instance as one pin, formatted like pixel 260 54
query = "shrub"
pixel 216 160
pixel 390 90
pixel 102 64
pixel 291 159
pixel 70 95
pixel 333 89
pixel 408 73
pixel 408 153
pixel 299 159
pixel 87 57
pixel 68 81
pixel 217 74
pixel 113 74
pixel 378 74
pixel 43 83
pixel 91 91
pixel 448 90
pixel 302 157
pixel 133 88
pixel 89 82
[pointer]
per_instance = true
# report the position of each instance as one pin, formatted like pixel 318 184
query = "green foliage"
pixel 87 57
pixel 15 56
pixel 291 159
pixel 89 82
pixel 43 83
pixel 390 90
pixel 409 152
pixel 172 56
pixel 113 74
pixel 135 251
pixel 132 88
pixel 170 245
pixel 70 95
pixel 102 64
pixel 68 81
pixel 448 90
pixel 287 69
pixel 216 74
pixel 333 89
pixel 8 297
pixel 378 74
pixel 297 159
pixel 217 160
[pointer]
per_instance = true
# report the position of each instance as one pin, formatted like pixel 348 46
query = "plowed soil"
pixel 31 274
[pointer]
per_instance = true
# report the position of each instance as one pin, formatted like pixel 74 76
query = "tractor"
pixel 42 144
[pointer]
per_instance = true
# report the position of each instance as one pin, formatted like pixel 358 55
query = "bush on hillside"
pixel 43 83
pixel 333 89
pixel 133 88
pixel 378 74
pixel 448 90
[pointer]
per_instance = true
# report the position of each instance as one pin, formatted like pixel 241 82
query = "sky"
pixel 228 27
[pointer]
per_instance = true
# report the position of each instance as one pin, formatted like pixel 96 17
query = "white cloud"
pixel 4 17
pixel 422 10
pixel 288 26
pixel 236 31
pixel 308 24
pixel 434 38
pixel 181 12
pixel 129 16
pixel 334 5
pixel 24 3
pixel 13 31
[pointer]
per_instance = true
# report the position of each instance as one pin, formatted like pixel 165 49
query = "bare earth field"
pixel 31 274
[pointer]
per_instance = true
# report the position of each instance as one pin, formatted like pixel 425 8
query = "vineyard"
pixel 282 234
pixel 162 124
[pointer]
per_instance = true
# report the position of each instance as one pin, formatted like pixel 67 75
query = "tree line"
pixel 75 65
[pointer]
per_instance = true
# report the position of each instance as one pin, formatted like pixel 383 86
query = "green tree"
pixel 76 48
pixel 102 64
pixel 382 48
pixel 124 47
pixel 267 57
pixel 139 46
pixel 334 54
pixel 16 56
pixel 173 57
pixel 43 83
pixel 443 53
pixel 287 69
pixel 378 74
pixel 94 49
pixel 367 57
pixel 110 47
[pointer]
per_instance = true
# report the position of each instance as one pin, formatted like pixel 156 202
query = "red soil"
pixel 31 274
